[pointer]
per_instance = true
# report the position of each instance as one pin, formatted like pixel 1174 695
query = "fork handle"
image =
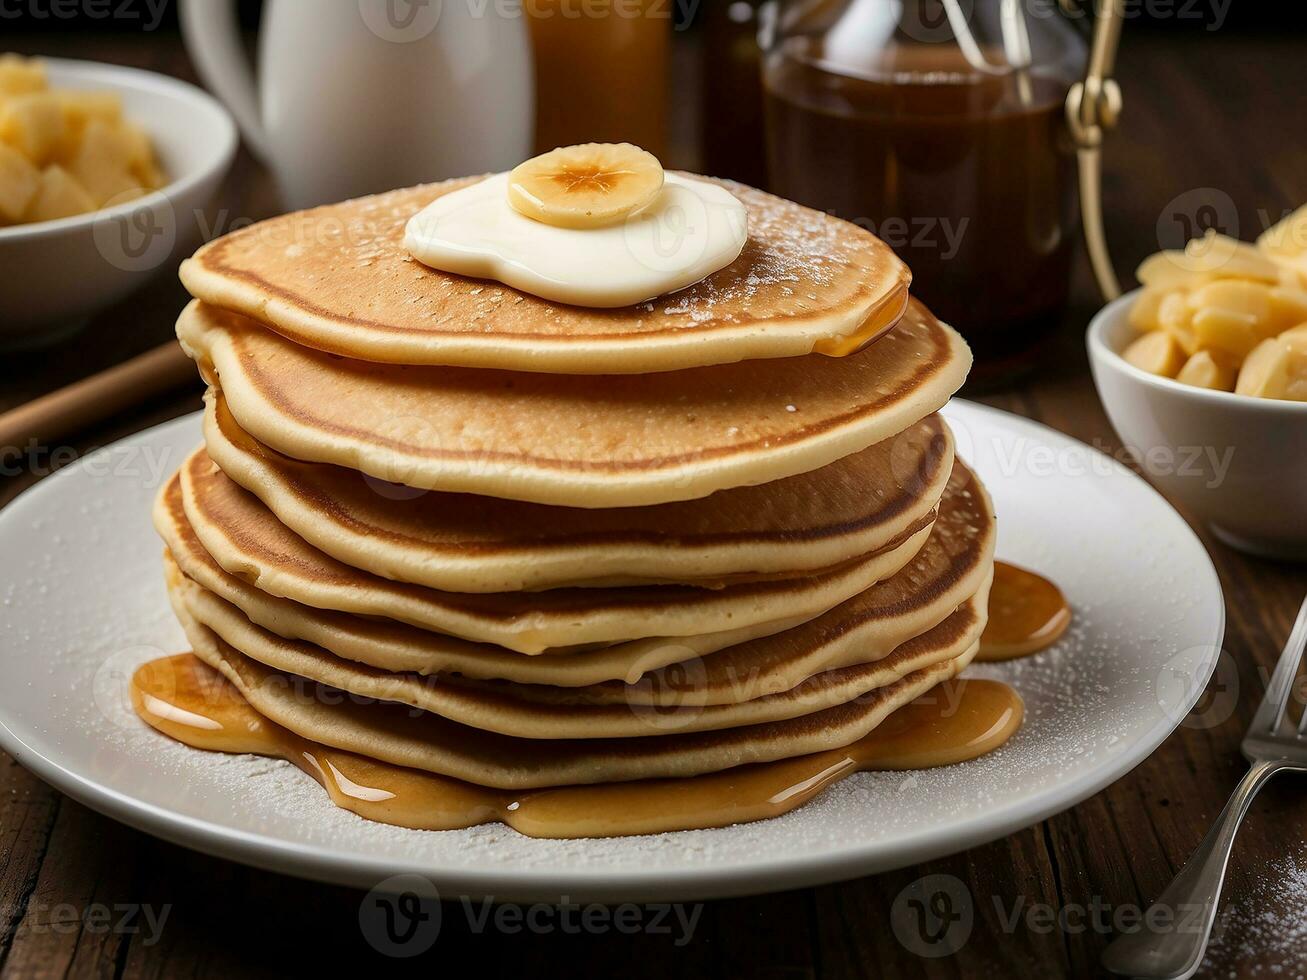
pixel 1188 906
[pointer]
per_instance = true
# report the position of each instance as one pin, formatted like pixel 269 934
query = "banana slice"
pixel 1144 310
pixel 1288 306
pixel 1296 337
pixel 1214 256
pixel 1176 317
pixel 1286 241
pixel 1157 353
pixel 585 186
pixel 1166 270
pixel 1277 367
pixel 1265 374
pixel 1231 331
pixel 1223 257
pixel 1295 341
pixel 1210 369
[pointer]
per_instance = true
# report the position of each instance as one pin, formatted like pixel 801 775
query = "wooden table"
pixel 1202 110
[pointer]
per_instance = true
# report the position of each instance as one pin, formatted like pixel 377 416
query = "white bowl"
pixel 1237 463
pixel 55 274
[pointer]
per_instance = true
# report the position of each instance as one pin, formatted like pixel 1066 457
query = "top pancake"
pixel 577 441
pixel 338 278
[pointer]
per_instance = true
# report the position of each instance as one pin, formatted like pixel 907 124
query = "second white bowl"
pixel 1237 463
pixel 54 274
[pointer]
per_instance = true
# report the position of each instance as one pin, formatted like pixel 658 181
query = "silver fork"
pixel 1273 743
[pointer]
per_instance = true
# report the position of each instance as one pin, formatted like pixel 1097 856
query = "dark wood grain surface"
pixel 1202 110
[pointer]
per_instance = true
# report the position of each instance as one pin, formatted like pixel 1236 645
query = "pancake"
pixel 246 539
pixel 397 734
pixel 338 279
pixel 495 708
pixel 954 567
pixel 466 543
pixel 592 442
pixel 951 567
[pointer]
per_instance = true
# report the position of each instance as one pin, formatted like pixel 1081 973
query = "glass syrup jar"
pixel 942 127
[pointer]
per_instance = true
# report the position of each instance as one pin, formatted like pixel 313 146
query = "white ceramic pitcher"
pixel 359 96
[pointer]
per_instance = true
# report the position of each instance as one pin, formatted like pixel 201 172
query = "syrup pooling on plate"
pixel 959 720
pixel 1027 613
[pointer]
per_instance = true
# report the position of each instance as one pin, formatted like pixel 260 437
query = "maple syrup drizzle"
pixel 959 720
pixel 879 322
pixel 1027 613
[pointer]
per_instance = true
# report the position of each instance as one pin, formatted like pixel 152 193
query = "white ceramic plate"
pixel 82 602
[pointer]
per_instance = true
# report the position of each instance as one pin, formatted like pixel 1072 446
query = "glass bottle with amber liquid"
pixel 731 129
pixel 939 125
pixel 601 71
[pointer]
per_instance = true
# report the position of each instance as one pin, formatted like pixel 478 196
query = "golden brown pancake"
pixel 958 560
pixel 950 568
pixel 496 708
pixel 722 667
pixel 246 539
pixel 467 543
pixel 395 646
pixel 398 734
pixel 592 442
pixel 338 278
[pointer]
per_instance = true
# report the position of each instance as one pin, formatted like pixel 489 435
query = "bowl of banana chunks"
pixel 1203 373
pixel 105 174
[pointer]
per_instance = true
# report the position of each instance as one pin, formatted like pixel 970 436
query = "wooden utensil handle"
pixel 96 398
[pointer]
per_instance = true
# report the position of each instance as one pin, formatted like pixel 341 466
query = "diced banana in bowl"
pixel 65 152
pixel 1228 315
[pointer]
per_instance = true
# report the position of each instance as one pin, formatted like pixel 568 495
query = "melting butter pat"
pixel 691 229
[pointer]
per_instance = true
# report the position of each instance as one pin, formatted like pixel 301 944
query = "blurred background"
pixel 947 138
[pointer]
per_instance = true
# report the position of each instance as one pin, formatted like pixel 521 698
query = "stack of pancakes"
pixel 450 526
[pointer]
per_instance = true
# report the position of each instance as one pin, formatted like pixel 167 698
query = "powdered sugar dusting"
pixel 1263 926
